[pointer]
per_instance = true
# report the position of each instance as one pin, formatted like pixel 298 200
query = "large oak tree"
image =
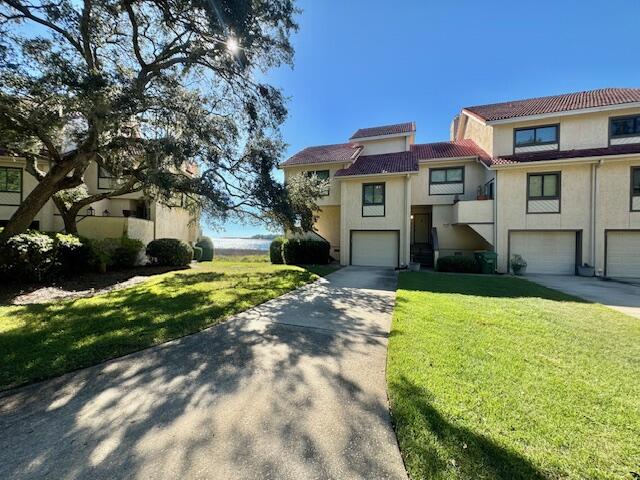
pixel 144 88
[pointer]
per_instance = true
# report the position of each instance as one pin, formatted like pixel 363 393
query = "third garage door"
pixel 546 252
pixel 623 254
pixel 374 248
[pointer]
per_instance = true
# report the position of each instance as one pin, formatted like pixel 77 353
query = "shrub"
pixel 206 244
pixel 197 253
pixel 297 251
pixel 73 254
pixel 458 264
pixel 170 252
pixel 27 257
pixel 275 251
pixel 126 253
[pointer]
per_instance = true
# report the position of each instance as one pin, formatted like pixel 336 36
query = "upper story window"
pixel 536 136
pixel 543 192
pixel 446 181
pixel 635 189
pixel 544 186
pixel 320 175
pixel 10 180
pixel 624 127
pixel 106 180
pixel 373 200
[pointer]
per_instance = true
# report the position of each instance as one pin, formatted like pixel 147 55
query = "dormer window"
pixel 624 130
pixel 533 139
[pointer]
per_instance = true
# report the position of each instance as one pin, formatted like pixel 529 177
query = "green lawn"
pixel 41 341
pixel 499 378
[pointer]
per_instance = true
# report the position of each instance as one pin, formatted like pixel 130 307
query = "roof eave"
pixel 566 113
pixel 382 137
pixel 561 161
pixel 369 175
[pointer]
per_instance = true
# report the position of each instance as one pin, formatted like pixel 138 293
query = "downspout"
pixel 404 221
pixel 495 212
pixel 594 211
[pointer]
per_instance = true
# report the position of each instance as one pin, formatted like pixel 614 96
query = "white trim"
pixel 369 175
pixel 382 137
pixel 448 159
pixel 316 164
pixel 567 113
pixel 565 161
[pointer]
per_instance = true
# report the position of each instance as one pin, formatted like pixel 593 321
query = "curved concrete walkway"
pixel 291 389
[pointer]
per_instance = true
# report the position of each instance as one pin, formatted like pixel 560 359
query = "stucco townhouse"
pixel 131 214
pixel 554 179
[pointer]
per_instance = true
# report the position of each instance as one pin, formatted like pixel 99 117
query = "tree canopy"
pixel 164 94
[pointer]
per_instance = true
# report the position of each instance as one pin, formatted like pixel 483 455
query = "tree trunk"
pixel 68 216
pixel 30 206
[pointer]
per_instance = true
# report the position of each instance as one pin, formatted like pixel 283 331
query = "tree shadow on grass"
pixel 433 445
pixel 65 336
pixel 251 398
pixel 480 285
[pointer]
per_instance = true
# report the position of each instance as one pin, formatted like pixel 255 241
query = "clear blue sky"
pixel 365 63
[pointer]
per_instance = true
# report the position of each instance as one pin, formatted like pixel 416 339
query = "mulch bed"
pixel 80 286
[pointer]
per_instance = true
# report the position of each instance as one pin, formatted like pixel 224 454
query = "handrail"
pixel 434 239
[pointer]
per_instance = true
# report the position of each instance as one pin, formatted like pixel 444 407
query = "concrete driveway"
pixel 619 296
pixel 291 389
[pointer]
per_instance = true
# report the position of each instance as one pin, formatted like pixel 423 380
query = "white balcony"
pixel 473 211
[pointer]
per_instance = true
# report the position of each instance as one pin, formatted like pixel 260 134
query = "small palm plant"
pixel 518 264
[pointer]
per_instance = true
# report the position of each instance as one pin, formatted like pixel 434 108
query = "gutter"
pixel 373 175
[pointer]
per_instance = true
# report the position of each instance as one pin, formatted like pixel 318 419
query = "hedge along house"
pixel 129 214
pixel 554 179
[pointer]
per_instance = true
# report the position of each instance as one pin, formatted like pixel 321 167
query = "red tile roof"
pixel 399 162
pixel 342 152
pixel 558 103
pixel 565 154
pixel 458 148
pixel 408 127
pixel 407 162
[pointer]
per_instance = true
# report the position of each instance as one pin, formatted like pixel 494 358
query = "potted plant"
pixel 480 195
pixel 586 270
pixel 518 265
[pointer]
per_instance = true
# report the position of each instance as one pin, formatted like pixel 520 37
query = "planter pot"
pixel 414 267
pixel 519 270
pixel 586 271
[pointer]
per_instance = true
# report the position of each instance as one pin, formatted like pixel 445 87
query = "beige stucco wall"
pixel 574 213
pixel 174 222
pixel 334 188
pixel 328 226
pixel 386 145
pixel 475 175
pixel 479 132
pixel 397 211
pixel 452 238
pixel 576 131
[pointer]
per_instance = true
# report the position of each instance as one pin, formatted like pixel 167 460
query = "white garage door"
pixel 623 254
pixel 546 252
pixel 374 249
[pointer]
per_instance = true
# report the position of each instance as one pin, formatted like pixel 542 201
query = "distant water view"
pixel 241 243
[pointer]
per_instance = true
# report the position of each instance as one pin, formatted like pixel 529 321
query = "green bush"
pixel 197 253
pixel 297 251
pixel 206 244
pixel 458 264
pixel 275 251
pixel 27 257
pixel 127 253
pixel 73 254
pixel 169 252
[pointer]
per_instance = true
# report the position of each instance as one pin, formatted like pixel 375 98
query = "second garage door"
pixel 546 252
pixel 374 248
pixel 623 254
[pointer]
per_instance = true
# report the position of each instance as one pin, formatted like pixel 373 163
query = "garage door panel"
pixel 623 254
pixel 546 252
pixel 374 248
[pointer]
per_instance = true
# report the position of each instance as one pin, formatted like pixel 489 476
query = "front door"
pixel 420 228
